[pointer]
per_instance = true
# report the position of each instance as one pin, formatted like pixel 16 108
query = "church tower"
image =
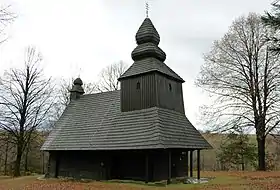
pixel 149 82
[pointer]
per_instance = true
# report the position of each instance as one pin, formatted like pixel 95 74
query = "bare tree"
pixel 244 80
pixel 25 101
pixel 63 96
pixel 65 87
pixel 108 81
pixel 272 21
pixel 6 17
pixel 109 77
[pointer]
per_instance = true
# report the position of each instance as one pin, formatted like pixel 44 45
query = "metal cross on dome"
pixel 147 9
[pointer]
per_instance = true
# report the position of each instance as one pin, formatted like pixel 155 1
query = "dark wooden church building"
pixel 139 132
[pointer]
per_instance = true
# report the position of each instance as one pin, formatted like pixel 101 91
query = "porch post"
pixel 57 163
pixel 147 168
pixel 198 164
pixel 191 163
pixel 47 172
pixel 43 162
pixel 187 160
pixel 169 167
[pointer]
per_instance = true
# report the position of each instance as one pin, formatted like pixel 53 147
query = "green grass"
pixel 222 180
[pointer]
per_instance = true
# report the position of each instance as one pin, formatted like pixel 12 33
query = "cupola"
pixel 77 89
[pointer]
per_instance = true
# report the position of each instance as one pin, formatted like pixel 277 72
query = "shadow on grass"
pixel 163 183
pixel 155 184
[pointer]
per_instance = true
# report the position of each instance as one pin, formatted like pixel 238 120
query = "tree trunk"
pixel 6 157
pixel 243 166
pixel 26 159
pixel 17 162
pixel 261 153
pixel 243 163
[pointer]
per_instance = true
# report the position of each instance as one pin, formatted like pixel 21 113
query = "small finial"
pixel 77 89
pixel 80 70
pixel 147 9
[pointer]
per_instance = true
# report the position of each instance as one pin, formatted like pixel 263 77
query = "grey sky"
pixel 81 37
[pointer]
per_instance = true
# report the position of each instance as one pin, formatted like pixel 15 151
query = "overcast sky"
pixel 84 36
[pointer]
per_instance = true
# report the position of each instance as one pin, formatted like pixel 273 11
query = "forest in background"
pixel 240 73
pixel 35 161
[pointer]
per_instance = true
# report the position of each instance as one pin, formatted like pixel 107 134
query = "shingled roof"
pixel 147 55
pixel 95 122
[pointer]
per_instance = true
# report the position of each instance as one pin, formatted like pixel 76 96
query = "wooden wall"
pixel 78 164
pixel 178 166
pixel 135 99
pixel 128 165
pixel 82 165
pixel 116 164
pixel 169 98
pixel 99 165
pixel 155 90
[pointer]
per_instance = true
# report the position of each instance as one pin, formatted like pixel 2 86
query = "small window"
pixel 138 85
pixel 170 87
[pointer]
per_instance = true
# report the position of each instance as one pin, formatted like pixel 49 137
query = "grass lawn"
pixel 223 180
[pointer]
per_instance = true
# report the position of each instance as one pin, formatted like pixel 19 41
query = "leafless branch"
pixel 25 101
pixel 109 77
pixel 6 17
pixel 244 79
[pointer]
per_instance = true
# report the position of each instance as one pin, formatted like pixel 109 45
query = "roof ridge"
pixel 173 111
pixel 105 116
pixel 55 130
pixel 158 128
pixel 172 71
pixel 139 111
pixel 99 93
pixel 188 126
pixel 147 65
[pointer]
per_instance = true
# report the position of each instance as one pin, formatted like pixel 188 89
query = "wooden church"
pixel 139 132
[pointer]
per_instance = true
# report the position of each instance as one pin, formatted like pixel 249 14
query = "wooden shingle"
pixel 95 122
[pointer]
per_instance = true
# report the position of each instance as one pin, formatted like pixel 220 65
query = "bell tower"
pixel 149 82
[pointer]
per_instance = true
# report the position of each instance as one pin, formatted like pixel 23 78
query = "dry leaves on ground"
pixel 223 181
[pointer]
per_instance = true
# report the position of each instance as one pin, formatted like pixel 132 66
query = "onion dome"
pixel 77 87
pixel 78 81
pixel 147 33
pixel 147 56
pixel 147 39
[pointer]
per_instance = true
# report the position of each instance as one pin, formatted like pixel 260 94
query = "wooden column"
pixel 191 163
pixel 147 168
pixel 187 160
pixel 57 163
pixel 198 164
pixel 169 167
pixel 43 162
pixel 48 169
